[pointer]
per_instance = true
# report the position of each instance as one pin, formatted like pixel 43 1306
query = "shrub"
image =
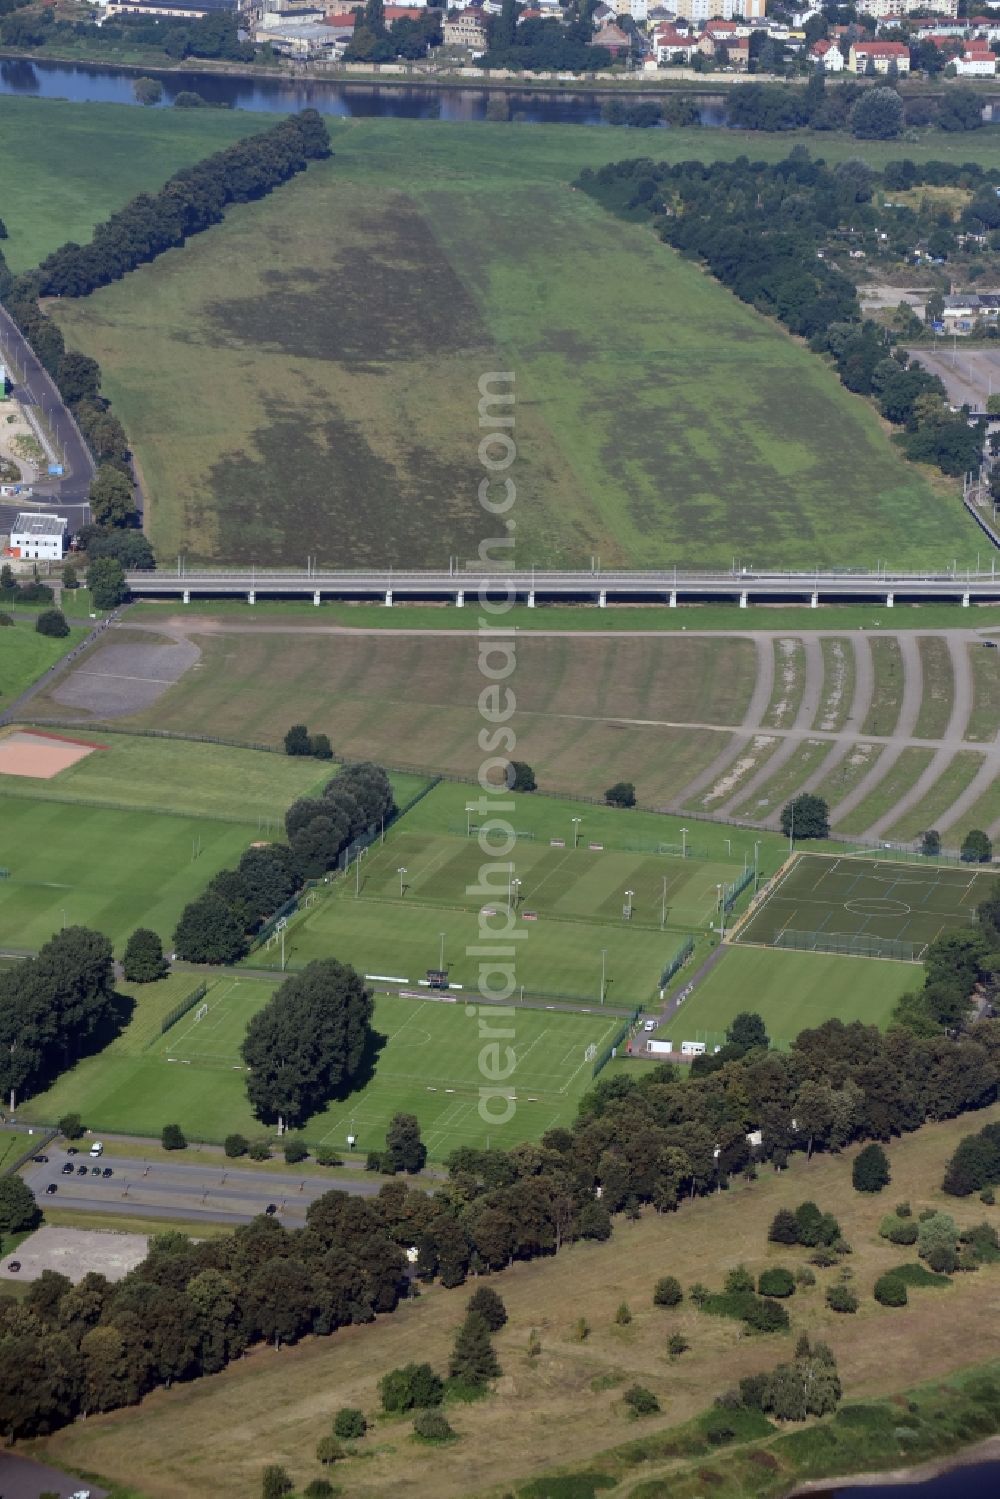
pixel 784 1228
pixel 890 1290
pixel 936 1232
pixel 764 1315
pixel 172 1137
pixel 581 1329
pixel 414 1386
pixel 677 1344
pixel 327 1157
pixel 903 1210
pixel 841 1298
pixel 804 1276
pixel 259 1150
pixel 870 1172
pixel 640 1401
pixel 349 1423
pixel 489 1306
pixel 739 1281
pixel 988 1196
pixel 623 1315
pixel 667 1292
pixel 52 622
pixel 295 1151
pixel 943 1259
pixel 6 619
pixel 431 1426
pixel 699 1294
pixel 235 1146
pixel 316 1488
pixel 776 1282
pixel 71 1126
pixel 329 1450
pixel 275 1482
pixel 823 1257
pixel 621 794
pixel 898 1230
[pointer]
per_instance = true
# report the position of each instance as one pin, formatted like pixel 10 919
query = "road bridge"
pixel 669 587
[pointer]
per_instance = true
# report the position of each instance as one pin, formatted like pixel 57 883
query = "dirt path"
pixel 902 736
pixel 961 708
pixel 864 689
pixel 756 708
pixel 812 695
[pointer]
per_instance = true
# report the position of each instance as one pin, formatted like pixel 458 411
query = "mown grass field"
pixel 665 422
pixel 564 1405
pixel 163 775
pixel 588 711
pixel 427 1063
pixel 66 166
pixel 80 865
pixel 25 655
pixel 792 992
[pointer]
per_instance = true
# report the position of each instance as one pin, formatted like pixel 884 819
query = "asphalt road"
pixel 38 390
pixel 23 1478
pixel 180 1191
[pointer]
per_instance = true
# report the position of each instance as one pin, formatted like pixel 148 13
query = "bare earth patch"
pixel 76 1252
pixel 40 756
pixel 122 679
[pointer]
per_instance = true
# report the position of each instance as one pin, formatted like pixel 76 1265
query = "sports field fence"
pixel 676 963
pixel 604 1057
pixel 731 893
pixel 179 1011
pixel 848 944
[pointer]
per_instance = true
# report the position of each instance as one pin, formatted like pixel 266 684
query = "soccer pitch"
pixel 427 1064
pixel 866 906
pixel 78 865
pixel 792 992
pixel 414 904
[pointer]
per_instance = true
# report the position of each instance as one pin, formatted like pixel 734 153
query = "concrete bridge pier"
pixel 316 598
pixel 460 599
pixel 890 600
pixel 965 601
pixel 187 595
pixel 743 599
pixel 531 599
pixel 251 597
pixel 673 598
pixel 814 601
pixel 602 599
pixel 388 598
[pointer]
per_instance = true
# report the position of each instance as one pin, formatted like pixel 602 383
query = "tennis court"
pixel 865 907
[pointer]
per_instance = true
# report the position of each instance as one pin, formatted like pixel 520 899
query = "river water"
pixel 89 83
pixel 980 1481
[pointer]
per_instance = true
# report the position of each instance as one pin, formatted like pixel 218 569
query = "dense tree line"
pixel 189 202
pixel 216 927
pixel 762 231
pixel 538 45
pixel 956 965
pixel 53 1007
pixel 870 113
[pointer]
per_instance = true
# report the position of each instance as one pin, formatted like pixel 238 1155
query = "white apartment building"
pixel 704 10
pixel 38 538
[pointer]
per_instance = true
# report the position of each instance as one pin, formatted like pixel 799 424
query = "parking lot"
pixel 175 1190
pixel 74 1252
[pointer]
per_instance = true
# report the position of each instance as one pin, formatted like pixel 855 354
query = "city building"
pixel 827 53
pixel 977 61
pixel 467 28
pixel 881 54
pixel 37 538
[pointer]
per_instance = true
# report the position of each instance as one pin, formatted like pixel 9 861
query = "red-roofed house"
pixel 669 45
pixel 614 39
pixel 882 55
pixel 977 61
pixel 721 31
pixel 466 28
pixel 342 20
pixel 827 53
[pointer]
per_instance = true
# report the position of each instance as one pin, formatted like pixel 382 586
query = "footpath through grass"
pixel 25 656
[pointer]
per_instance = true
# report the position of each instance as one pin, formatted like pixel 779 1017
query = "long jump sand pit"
pixel 29 752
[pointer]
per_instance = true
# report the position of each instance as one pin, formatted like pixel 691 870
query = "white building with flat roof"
pixel 38 538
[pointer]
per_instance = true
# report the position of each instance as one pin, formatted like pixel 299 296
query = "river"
pixel 979 1481
pixel 91 83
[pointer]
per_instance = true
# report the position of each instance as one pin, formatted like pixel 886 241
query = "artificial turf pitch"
pixel 866 904
pixel 428 1063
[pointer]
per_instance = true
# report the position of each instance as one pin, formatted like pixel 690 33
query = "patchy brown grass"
pixel 565 1405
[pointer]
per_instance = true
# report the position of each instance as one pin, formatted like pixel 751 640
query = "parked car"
pixel 107 1172
pixel 81 1170
pixel 50 1189
pixel 40 1160
pixel 271 1209
pixel 67 1170
pixel 97 1148
pixel 14 1266
pixel 990 645
pixel 80 1494
pixel 95 1170
pixel 72 1150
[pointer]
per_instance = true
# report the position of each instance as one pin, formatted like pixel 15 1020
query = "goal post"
pixel 201 1012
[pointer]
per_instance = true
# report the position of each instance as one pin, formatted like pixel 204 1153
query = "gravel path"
pixel 812 694
pixel 961 708
pixel 756 708
pixel 864 689
pixel 902 737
